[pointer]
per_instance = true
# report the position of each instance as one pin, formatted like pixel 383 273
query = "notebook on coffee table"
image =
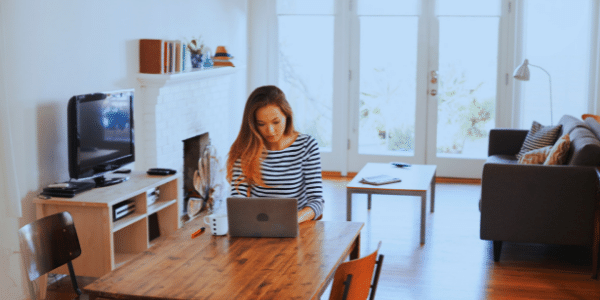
pixel 262 217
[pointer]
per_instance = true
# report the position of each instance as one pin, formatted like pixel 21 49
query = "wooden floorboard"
pixel 454 263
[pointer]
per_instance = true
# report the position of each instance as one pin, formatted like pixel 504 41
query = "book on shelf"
pixel 177 66
pixel 186 60
pixel 166 57
pixel 380 179
pixel 159 56
pixel 151 56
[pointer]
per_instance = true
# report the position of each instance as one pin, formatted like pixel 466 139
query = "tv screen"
pixel 100 134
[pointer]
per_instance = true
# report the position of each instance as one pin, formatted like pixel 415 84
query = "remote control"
pixel 160 171
pixel 400 164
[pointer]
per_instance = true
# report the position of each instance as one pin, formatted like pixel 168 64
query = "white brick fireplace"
pixel 170 108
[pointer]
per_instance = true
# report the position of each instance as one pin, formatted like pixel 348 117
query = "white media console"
pixel 106 244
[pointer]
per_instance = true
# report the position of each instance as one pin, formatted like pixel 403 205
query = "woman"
pixel 269 158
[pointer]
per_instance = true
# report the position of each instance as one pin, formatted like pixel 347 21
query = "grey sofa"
pixel 539 203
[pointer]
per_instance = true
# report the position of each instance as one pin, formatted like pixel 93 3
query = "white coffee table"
pixel 417 180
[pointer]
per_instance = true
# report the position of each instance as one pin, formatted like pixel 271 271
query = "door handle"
pixel 433 92
pixel 433 77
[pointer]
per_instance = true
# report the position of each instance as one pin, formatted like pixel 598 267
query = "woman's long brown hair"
pixel 249 146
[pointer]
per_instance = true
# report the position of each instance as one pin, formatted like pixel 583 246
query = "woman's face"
pixel 270 122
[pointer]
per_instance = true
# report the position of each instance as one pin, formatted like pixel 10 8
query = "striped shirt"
pixel 294 172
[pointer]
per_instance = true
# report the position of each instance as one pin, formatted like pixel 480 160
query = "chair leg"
pixel 379 263
pixel 497 249
pixel 347 287
pixel 73 278
pixel 596 244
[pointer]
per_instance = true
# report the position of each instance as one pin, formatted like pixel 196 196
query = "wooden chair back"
pixel 49 243
pixel 353 279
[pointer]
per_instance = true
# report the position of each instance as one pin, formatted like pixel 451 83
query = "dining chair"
pixel 353 279
pixel 47 244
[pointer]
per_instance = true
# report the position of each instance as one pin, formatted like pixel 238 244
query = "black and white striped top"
pixel 294 172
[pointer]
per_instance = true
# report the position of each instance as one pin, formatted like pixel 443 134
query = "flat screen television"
pixel 101 135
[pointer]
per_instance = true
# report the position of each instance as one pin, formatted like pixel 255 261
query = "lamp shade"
pixel 522 72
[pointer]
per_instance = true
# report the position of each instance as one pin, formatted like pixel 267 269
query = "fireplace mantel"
pixel 159 80
pixel 170 108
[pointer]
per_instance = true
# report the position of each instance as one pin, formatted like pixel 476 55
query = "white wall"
pixel 52 50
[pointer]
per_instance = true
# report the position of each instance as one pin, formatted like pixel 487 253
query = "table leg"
pixel 423 210
pixel 596 244
pixel 369 201
pixel 348 205
pixel 432 191
pixel 355 252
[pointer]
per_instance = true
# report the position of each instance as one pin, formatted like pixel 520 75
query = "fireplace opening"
pixel 192 151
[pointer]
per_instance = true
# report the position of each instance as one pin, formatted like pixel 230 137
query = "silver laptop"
pixel 262 217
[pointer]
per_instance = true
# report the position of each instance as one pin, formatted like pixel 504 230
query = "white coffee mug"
pixel 217 223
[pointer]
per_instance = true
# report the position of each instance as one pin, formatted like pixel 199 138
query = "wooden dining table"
pixel 222 267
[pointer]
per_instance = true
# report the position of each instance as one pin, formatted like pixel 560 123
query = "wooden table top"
pixel 223 267
pixel 414 178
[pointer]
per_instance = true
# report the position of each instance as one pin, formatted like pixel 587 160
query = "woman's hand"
pixel 306 214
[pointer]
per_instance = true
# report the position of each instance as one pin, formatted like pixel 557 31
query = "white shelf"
pixel 126 221
pixel 159 205
pixel 106 244
pixel 160 80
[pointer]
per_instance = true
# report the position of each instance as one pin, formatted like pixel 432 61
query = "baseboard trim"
pixel 458 180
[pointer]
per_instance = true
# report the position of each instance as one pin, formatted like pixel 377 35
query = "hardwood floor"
pixel 454 263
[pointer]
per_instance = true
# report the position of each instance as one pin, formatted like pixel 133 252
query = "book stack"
pixel 123 209
pixel 380 179
pixel 222 58
pixel 164 56
pixel 152 195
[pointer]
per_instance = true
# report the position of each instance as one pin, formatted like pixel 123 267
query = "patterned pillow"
pixel 538 137
pixel 559 152
pixel 536 156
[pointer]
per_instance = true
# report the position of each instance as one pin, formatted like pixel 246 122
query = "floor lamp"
pixel 522 73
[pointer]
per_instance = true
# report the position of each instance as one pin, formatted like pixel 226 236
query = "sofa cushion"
pixel 569 123
pixel 585 148
pixel 549 155
pixel 594 126
pixel 559 152
pixel 535 156
pixel 501 159
pixel 538 137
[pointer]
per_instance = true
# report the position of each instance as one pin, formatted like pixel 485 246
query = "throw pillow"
pixel 536 156
pixel 559 152
pixel 594 126
pixel 538 137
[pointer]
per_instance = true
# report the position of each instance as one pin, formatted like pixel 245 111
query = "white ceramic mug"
pixel 217 223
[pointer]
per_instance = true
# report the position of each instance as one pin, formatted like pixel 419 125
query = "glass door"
pixel 427 83
pixel 463 84
pixel 310 72
pixel 387 91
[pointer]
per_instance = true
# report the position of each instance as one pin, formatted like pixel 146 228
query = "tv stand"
pixel 102 181
pixel 107 243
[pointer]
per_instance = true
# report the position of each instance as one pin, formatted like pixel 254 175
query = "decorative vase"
pixel 196 59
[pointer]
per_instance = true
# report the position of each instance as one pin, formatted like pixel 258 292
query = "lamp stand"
pixel 550 80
